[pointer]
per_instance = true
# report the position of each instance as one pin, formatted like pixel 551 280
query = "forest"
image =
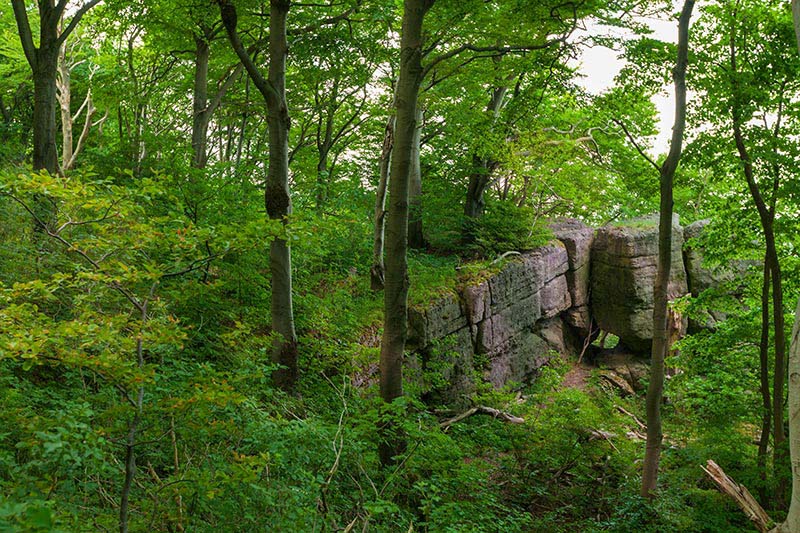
pixel 369 266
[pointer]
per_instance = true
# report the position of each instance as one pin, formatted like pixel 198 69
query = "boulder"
pixel 624 265
pixel 527 275
pixel 476 300
pixel 577 238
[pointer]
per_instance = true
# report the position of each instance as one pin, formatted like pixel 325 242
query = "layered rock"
pixel 624 265
pixel 511 320
pixel 542 303
pixel 577 238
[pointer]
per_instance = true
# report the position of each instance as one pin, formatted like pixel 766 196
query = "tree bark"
pixel 379 224
pixel 792 522
pixel 416 237
pixel 64 95
pixel 763 353
pixel 396 290
pixel 200 116
pixel 45 155
pixel 276 196
pixel 655 388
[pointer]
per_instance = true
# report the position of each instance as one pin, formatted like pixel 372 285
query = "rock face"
pixel 511 322
pixel 702 277
pixel 577 238
pixel 624 265
pixel 541 304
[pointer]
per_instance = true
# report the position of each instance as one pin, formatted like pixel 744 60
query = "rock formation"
pixel 624 265
pixel 543 303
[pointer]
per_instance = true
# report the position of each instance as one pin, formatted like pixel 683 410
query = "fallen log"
pixel 483 410
pixel 752 509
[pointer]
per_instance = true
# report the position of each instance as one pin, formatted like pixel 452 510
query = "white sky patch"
pixel 599 65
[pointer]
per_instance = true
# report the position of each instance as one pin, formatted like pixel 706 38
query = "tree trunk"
pixel 44 65
pixel 766 417
pixel 323 176
pixel 655 388
pixel 395 294
pixel 64 95
pixel 416 237
pixel 45 155
pixel 200 115
pixel 276 196
pixel 377 270
pixel 792 523
pixel 278 200
pixel 482 170
pixel 766 216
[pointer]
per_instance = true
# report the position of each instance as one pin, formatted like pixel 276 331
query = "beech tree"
pixel 43 60
pixel 276 195
pixel 655 389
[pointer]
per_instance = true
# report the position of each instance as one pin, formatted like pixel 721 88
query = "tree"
pixel 395 296
pixel 792 522
pixel 70 149
pixel 748 93
pixel 43 60
pixel 276 195
pixel 666 170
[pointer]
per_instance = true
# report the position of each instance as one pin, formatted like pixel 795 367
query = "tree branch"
pixel 229 19
pixel 329 21
pixel 24 28
pixel 76 18
pixel 636 144
pixel 482 409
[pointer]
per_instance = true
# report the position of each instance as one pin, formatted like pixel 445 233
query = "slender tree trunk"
pixel 395 295
pixel 766 217
pixel 766 417
pixel 781 460
pixel 323 176
pixel 276 196
pixel 64 95
pixel 655 388
pixel 416 237
pixel 377 270
pixel 324 144
pixel 200 115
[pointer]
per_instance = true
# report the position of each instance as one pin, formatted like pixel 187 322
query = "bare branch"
pixel 636 144
pixel 76 18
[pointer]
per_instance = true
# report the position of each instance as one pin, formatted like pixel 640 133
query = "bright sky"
pixel 600 65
